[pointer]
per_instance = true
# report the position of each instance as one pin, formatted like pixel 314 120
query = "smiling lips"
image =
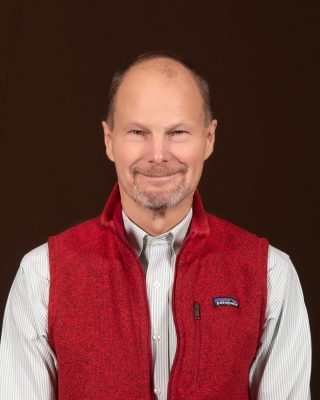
pixel 159 178
pixel 159 174
pixel 159 171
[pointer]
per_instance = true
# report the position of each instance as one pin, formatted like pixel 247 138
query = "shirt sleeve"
pixel 282 367
pixel 28 368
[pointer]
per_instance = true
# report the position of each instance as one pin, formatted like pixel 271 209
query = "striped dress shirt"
pixel 158 256
pixel 281 369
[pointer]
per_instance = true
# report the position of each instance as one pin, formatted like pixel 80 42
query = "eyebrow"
pixel 136 124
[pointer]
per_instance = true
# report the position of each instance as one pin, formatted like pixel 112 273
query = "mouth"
pixel 158 178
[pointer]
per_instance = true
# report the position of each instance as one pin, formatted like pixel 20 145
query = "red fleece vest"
pixel 99 322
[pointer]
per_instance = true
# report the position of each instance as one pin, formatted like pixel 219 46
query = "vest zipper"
pixel 175 319
pixel 197 317
pixel 123 239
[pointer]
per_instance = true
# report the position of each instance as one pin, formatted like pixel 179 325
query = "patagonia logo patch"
pixel 225 301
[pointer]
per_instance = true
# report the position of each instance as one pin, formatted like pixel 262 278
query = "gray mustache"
pixel 159 170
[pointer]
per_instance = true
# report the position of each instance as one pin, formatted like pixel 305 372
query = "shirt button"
pixel 156 337
pixel 157 390
pixel 156 284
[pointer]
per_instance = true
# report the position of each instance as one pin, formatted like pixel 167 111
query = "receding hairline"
pixel 163 64
pixel 168 65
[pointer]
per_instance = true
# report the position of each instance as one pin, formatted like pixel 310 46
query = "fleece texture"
pixel 99 321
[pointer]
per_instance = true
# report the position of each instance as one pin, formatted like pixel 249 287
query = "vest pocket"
pixel 196 345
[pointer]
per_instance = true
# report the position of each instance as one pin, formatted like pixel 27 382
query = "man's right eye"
pixel 136 132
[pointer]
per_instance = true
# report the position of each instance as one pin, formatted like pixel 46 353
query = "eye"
pixel 177 132
pixel 136 132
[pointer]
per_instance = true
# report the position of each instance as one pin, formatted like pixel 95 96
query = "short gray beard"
pixel 159 201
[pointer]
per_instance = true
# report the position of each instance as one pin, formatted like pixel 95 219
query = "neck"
pixel 155 222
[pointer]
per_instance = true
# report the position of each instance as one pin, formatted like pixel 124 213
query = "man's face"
pixel 159 139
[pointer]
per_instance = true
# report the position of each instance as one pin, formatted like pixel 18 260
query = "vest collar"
pixel 112 214
pixel 140 240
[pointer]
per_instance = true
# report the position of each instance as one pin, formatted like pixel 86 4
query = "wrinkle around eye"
pixel 179 132
pixel 136 132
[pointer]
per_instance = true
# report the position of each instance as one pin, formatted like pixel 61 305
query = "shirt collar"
pixel 139 239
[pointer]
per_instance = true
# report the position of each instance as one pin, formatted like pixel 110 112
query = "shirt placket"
pixel 158 279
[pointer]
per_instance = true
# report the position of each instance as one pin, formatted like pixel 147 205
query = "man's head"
pixel 120 74
pixel 159 131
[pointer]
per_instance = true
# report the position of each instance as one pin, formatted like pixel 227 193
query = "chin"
pixel 159 199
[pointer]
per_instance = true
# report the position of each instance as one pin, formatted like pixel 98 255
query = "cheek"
pixel 125 154
pixel 192 154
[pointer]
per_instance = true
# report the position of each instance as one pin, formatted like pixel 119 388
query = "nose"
pixel 158 150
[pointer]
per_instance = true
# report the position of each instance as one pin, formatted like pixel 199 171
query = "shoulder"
pixel 35 263
pixel 228 227
pixel 283 280
pixel 80 230
pixel 235 237
pixel 32 279
pixel 278 261
pixel 280 267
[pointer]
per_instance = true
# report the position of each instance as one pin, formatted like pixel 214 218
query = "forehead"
pixel 158 87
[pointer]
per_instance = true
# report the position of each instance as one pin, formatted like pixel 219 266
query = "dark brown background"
pixel 260 59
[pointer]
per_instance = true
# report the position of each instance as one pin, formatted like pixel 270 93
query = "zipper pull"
pixel 196 310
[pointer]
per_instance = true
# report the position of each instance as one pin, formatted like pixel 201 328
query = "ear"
pixel 108 140
pixel 210 137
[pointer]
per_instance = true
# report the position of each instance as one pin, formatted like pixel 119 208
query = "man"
pixel 156 298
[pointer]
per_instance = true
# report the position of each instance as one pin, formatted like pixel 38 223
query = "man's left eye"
pixel 136 132
pixel 178 132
